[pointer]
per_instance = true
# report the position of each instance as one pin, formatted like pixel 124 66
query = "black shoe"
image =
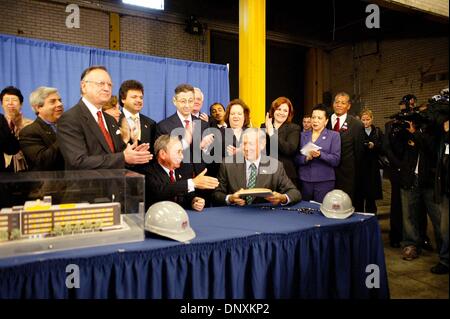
pixel 439 269
pixel 394 244
pixel 426 245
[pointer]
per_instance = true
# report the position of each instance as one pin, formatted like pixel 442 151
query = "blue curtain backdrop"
pixel 29 63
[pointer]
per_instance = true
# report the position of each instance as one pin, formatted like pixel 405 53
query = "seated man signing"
pixel 165 180
pixel 255 171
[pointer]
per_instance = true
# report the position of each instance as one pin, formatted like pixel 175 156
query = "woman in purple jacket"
pixel 316 168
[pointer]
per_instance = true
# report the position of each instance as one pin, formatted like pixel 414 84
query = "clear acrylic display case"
pixel 58 210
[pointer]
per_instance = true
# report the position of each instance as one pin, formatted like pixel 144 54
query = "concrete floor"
pixel 409 279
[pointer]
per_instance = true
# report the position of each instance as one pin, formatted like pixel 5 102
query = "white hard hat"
pixel 337 204
pixel 169 219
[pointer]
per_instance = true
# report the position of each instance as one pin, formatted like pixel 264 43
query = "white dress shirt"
pixel 190 182
pixel 93 109
pixel 342 120
pixel 184 143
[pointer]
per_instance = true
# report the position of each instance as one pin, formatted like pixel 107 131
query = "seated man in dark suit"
pixel 165 180
pixel 255 171
pixel 91 139
pixel 38 140
pixel 142 128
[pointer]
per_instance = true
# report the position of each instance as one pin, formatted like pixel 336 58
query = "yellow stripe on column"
pixel 114 31
pixel 252 57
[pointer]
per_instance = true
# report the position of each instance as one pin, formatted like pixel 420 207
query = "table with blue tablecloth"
pixel 238 252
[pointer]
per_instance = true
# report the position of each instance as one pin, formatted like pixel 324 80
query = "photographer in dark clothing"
pixel 442 193
pixel 438 112
pixel 393 147
pixel 417 172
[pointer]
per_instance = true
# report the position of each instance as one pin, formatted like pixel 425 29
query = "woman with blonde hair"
pixel 373 139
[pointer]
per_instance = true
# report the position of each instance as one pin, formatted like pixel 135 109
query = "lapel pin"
pixel 118 132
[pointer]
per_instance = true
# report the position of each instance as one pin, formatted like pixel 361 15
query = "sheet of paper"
pixel 309 147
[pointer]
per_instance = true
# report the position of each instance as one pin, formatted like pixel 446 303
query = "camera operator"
pixel 393 146
pixel 416 172
pixel 439 110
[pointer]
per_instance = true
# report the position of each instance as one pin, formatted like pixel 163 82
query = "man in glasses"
pixel 189 129
pixel 91 139
pixel 183 119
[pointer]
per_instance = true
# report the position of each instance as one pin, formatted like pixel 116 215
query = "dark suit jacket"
pixel 348 173
pixel 39 145
pixel 422 143
pixel 148 131
pixel 320 169
pixel 288 136
pixel 232 177
pixel 159 188
pixel 8 142
pixel 82 143
pixel 166 126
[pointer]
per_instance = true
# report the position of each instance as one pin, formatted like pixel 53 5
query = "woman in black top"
pixel 280 129
pixel 373 138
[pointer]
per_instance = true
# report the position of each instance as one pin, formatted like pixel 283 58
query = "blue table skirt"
pixel 237 253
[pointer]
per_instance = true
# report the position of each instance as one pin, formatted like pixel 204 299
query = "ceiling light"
pixel 151 4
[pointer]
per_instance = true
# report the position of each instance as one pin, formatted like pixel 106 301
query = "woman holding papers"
pixel 283 134
pixel 320 153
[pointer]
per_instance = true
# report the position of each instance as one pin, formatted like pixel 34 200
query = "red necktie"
pixel 187 124
pixel 336 126
pixel 172 178
pixel 104 131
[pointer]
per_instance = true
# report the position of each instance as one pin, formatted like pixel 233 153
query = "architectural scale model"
pixel 41 219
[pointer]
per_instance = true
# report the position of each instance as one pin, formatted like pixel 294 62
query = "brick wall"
pixel 40 20
pixel 138 34
pixel 165 39
pixel 383 78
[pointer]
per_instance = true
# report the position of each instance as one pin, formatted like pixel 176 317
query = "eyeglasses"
pixel 301 210
pixel 7 100
pixel 190 101
pixel 100 83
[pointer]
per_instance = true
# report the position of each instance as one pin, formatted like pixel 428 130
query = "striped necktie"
pixel 251 183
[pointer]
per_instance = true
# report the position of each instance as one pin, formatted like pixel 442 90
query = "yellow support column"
pixel 114 31
pixel 252 57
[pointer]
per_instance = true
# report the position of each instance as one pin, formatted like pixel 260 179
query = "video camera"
pixel 438 108
pixel 435 112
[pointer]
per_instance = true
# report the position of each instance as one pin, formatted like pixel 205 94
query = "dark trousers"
pixel 395 217
pixel 316 191
pixel 370 206
pixel 413 211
